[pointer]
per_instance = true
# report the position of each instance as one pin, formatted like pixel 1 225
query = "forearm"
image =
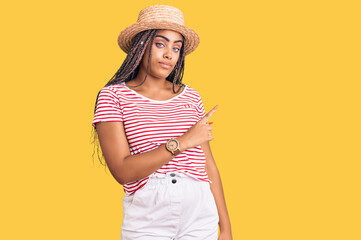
pixel 138 166
pixel 217 190
pixel 127 168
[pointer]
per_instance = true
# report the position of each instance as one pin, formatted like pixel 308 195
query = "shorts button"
pixel 174 180
pixel 172 174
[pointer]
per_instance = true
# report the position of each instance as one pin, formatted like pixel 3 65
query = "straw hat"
pixel 159 17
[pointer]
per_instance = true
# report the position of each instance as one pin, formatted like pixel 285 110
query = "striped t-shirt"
pixel 149 123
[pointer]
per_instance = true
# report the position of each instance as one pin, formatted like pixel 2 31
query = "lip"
pixel 165 65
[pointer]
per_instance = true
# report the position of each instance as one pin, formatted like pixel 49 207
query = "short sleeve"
pixel 200 108
pixel 108 108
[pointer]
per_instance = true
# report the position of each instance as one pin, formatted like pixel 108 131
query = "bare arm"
pixel 127 168
pixel 123 166
pixel 217 190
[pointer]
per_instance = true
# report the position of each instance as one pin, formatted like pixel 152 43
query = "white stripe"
pixel 148 124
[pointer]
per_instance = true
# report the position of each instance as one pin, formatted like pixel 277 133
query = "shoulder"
pixel 193 92
pixel 116 90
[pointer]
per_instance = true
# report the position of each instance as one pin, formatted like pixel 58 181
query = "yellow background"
pixel 286 76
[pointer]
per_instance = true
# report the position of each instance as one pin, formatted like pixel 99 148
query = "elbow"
pixel 119 173
pixel 121 176
pixel 121 179
pixel 119 169
pixel 122 172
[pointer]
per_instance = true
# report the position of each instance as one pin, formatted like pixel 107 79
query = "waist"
pixel 159 178
pixel 170 178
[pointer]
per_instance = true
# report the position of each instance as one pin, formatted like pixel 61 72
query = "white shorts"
pixel 170 206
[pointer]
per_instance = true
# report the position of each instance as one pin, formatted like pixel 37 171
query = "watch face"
pixel 172 145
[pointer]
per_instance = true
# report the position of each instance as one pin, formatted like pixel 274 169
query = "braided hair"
pixel 130 68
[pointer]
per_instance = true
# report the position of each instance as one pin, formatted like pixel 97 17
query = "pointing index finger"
pixel 209 114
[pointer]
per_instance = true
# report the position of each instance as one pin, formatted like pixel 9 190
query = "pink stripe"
pixel 149 123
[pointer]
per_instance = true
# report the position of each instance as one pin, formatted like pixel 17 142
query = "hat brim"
pixel 126 36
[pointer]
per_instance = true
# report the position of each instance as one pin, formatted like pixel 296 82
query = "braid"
pixel 135 54
pixel 129 70
pixel 176 75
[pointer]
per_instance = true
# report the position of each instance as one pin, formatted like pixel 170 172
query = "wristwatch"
pixel 172 146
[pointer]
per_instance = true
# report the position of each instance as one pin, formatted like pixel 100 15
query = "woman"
pixel 154 135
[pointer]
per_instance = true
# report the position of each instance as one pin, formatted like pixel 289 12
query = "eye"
pixel 177 49
pixel 159 44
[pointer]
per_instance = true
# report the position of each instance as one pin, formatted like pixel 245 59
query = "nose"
pixel 168 54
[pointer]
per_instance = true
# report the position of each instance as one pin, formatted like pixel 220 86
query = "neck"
pixel 152 83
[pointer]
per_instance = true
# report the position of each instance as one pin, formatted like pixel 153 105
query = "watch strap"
pixel 176 152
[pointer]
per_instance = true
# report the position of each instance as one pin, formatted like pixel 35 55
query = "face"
pixel 165 54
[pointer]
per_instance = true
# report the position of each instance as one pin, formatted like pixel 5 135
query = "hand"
pixel 198 133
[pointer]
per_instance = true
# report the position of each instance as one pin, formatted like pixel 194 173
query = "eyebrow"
pixel 168 39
